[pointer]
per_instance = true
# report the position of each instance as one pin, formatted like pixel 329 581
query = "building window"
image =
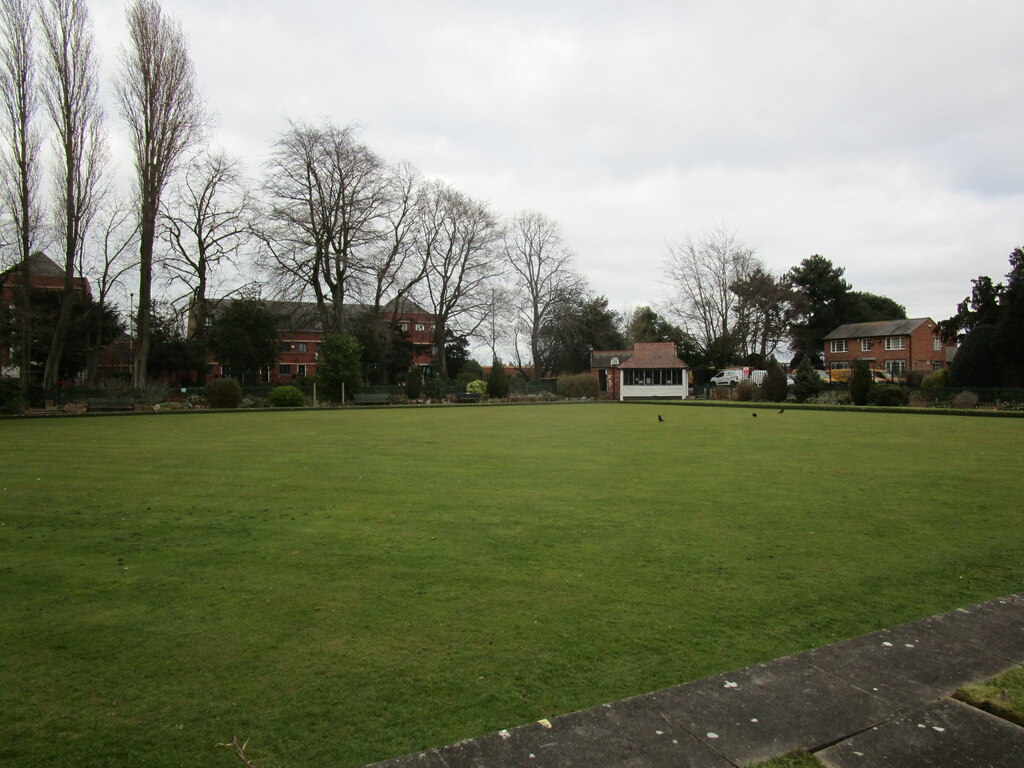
pixel 421 327
pixel 652 377
pixel 896 367
pixel 895 342
pixel 404 326
pixel 301 371
pixel 937 344
pixel 865 345
pixel 284 370
pixel 286 346
pixel 840 345
pixel 300 346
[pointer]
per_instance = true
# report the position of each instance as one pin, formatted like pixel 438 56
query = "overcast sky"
pixel 886 136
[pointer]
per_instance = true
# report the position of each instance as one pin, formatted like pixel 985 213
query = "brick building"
pixel 896 346
pixel 44 275
pixel 302 331
pixel 649 370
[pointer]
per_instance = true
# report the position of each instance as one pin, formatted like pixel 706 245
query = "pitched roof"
pixel 602 358
pixel 305 316
pixel 40 265
pixel 878 328
pixel 657 354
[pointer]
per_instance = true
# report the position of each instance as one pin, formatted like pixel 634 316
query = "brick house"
pixel 302 331
pixel 44 275
pixel 896 346
pixel 649 370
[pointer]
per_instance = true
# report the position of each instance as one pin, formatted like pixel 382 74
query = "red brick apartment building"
pixel 896 346
pixel 302 331
pixel 44 275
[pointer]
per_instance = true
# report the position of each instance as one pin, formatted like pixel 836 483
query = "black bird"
pixel 782 410
pixel 659 417
pixel 754 415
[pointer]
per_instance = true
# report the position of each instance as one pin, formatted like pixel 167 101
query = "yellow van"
pixel 878 376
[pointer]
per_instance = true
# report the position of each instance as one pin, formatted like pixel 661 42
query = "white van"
pixel 727 378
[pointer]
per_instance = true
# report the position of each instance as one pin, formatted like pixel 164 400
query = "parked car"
pixel 727 378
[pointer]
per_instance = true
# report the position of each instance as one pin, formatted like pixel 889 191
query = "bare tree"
pixel 459 238
pixel 326 197
pixel 20 160
pixel 542 269
pixel 161 104
pixel 111 256
pixel 395 266
pixel 72 99
pixel 700 275
pixel 207 223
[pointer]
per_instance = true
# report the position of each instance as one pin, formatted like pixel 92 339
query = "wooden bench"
pixel 109 404
pixel 370 398
pixel 467 397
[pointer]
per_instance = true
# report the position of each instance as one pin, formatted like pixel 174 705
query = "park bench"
pixel 467 397
pixel 110 404
pixel 371 398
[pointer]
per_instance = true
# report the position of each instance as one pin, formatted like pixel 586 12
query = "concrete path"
pixel 873 701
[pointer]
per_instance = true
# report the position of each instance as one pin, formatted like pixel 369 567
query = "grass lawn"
pixel 339 587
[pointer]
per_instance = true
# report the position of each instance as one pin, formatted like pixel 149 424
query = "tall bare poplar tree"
pixel 20 159
pixel 71 88
pixel 161 104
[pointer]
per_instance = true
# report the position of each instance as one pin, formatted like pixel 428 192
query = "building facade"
pixel 648 371
pixel 895 346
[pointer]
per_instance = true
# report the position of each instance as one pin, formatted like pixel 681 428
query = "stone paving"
pixel 878 700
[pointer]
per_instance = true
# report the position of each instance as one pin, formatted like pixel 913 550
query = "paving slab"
pixel 757 712
pixel 911 664
pixel 626 734
pixel 945 734
pixel 995 626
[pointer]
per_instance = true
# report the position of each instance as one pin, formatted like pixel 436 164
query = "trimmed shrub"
pixel 12 398
pixel 477 387
pixel 497 381
pixel 775 385
pixel 577 385
pixel 287 397
pixel 936 379
pixel 223 393
pixel 860 382
pixel 745 391
pixel 888 395
pixel 808 382
pixel 965 400
pixel 414 384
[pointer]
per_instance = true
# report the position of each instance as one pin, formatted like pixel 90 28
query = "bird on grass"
pixel 659 417
pixel 782 410
pixel 754 415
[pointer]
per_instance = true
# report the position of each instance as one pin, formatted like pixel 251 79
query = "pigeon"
pixel 659 417
pixel 754 415
pixel 782 410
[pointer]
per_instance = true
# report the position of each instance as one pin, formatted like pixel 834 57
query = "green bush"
pixel 577 385
pixel 808 382
pixel 775 385
pixel 223 393
pixel 913 378
pixel 936 379
pixel 887 395
pixel 477 387
pixel 287 397
pixel 860 382
pixel 497 381
pixel 414 384
pixel 12 397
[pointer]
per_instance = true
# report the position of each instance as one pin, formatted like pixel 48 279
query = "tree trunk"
pixel 141 347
